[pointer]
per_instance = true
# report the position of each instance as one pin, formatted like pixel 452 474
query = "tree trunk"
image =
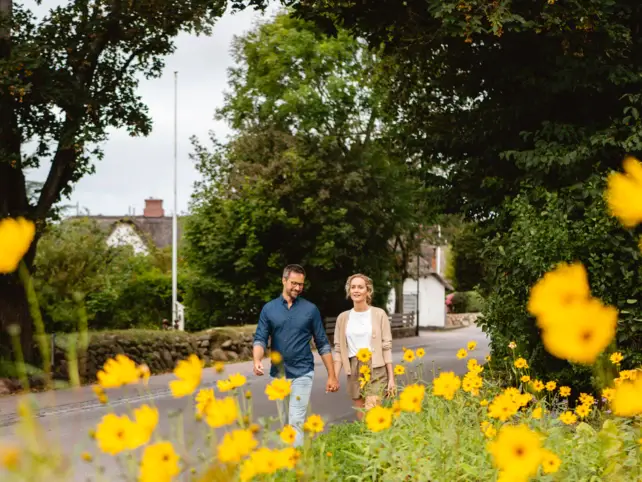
pixel 14 310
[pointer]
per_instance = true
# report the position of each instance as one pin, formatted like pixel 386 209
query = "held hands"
pixel 332 385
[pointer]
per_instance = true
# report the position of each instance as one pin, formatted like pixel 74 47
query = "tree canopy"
pixel 308 177
pixel 66 78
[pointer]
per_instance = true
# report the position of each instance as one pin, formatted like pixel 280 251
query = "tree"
pixel 309 177
pixel 65 80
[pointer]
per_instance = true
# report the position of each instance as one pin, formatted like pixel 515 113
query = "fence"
pixel 402 324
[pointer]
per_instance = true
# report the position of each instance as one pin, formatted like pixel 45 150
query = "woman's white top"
pixel 358 331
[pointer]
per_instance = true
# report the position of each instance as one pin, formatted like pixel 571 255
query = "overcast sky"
pixel 135 168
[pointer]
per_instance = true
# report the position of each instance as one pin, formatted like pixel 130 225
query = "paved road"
pixel 67 415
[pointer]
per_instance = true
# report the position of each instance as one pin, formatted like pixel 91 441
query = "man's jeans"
pixel 297 404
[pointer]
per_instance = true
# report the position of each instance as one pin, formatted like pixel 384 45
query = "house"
pixel 425 290
pixel 143 232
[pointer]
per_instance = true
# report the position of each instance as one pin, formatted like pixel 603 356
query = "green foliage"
pixel 76 271
pixel 547 228
pixel 308 177
pixel 467 302
pixel 467 264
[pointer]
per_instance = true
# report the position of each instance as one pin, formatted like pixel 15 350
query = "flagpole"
pixel 175 214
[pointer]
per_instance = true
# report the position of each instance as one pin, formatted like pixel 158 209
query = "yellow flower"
pixel 159 463
pixel 627 400
pixel 471 345
pixel 408 356
pixel 364 370
pixel 219 367
pixel 400 370
pixel 16 236
pixel 237 380
pixel 616 358
pixel 521 363
pixel 490 431
pixel 9 457
pixel 587 399
pixel 411 398
pixel 288 434
pixel 608 393
pixel 116 434
pixel 86 456
pixel 420 352
pixel 556 290
pixel 364 355
pixel 550 386
pixel 537 413
pixel 276 358
pixel 189 376
pixel 581 331
pixel 565 391
pixel 484 403
pixel 236 445
pixel 224 385
pixel 487 357
pixel 204 397
pixel 314 424
pixel 446 385
pixel 144 373
pixel 550 462
pixel 624 193
pixel 146 418
pixel 278 389
pixel 221 412
pixel 517 449
pixel 569 418
pixel 525 379
pixel 503 406
pixel 378 418
pixel 462 353
pixel 537 385
pixel 396 408
pixel 582 411
pixel 118 371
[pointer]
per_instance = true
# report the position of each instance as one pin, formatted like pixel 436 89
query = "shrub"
pixel 467 302
pixel 548 228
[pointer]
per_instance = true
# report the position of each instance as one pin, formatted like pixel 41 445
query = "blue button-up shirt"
pixel 291 330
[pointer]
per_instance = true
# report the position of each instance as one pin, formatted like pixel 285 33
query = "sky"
pixel 137 168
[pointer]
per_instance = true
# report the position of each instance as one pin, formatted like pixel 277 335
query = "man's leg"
pixel 299 399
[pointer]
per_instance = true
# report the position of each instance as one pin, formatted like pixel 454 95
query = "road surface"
pixel 67 416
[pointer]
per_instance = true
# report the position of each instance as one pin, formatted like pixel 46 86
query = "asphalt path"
pixel 67 416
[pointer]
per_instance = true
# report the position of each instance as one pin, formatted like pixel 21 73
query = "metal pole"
pixel 418 292
pixel 174 216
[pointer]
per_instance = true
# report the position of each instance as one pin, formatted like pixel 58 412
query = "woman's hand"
pixel 392 387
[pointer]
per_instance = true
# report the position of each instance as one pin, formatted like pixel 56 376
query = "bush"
pixel 467 302
pixel 548 228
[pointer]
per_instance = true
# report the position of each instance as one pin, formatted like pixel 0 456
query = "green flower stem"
pixel 34 310
pixel 14 332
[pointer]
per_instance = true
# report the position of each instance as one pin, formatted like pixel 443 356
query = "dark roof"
pixel 157 230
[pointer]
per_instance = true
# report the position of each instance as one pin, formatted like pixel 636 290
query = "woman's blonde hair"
pixel 369 286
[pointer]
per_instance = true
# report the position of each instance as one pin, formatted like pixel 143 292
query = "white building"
pixel 430 292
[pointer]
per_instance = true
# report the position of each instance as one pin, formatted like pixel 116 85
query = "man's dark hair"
pixel 293 268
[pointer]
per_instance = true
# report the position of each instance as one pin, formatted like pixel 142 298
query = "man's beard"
pixel 293 294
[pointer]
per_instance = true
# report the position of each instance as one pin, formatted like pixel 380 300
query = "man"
pixel 292 321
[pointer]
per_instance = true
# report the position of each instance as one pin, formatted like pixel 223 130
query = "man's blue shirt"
pixel 291 330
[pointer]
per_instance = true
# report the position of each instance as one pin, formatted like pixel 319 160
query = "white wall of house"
pixel 125 234
pixel 432 300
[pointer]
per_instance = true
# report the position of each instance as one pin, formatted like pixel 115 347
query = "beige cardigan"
pixel 381 339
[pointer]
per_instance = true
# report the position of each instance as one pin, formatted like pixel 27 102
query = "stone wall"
pixel 454 320
pixel 160 350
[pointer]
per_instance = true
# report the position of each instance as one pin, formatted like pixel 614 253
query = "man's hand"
pixel 258 368
pixel 391 390
pixel 332 385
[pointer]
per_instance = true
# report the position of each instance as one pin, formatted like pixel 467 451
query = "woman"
pixel 364 327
